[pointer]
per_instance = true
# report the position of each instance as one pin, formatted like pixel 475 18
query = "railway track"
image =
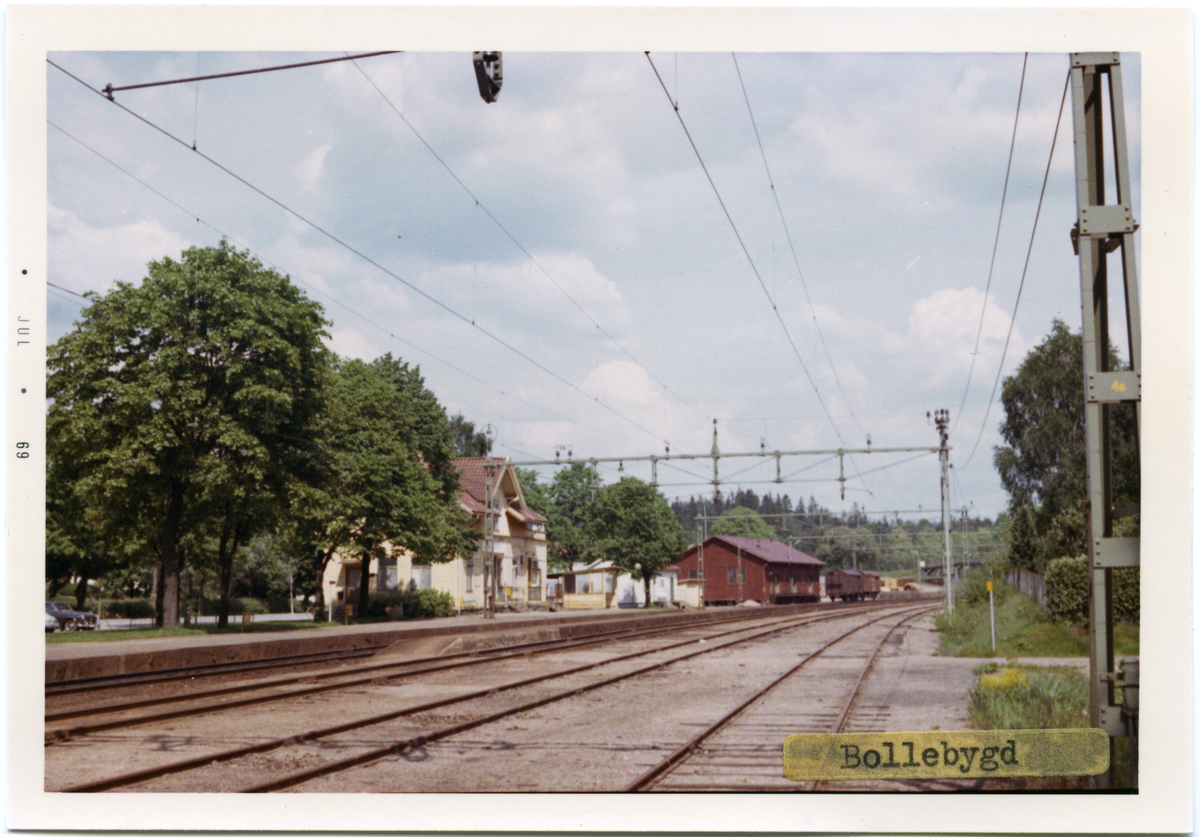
pixel 475 707
pixel 744 742
pixel 205 701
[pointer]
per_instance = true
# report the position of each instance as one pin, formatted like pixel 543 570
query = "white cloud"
pixel 84 257
pixel 499 292
pixel 309 170
pixel 620 380
pixel 946 323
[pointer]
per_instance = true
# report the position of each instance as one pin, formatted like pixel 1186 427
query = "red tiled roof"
pixel 474 485
pixel 773 552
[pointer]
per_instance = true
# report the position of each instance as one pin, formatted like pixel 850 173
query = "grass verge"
pixel 1016 696
pixel 1019 696
pixel 1022 630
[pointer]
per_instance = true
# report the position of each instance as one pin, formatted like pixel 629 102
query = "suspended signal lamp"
pixel 489 73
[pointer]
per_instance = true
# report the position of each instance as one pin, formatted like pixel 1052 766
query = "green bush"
pixel 975 587
pixel 282 604
pixel 424 604
pixel 1127 594
pixel 129 609
pixel 1067 592
pixel 417 604
pixel 247 605
pixel 379 602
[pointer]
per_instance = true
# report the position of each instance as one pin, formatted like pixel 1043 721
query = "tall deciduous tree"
pixel 1043 465
pixel 633 524
pixel 192 396
pixel 390 475
pixel 467 440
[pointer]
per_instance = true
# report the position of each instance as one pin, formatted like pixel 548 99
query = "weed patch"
pixel 1016 696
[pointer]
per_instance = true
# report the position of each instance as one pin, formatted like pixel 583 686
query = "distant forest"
pixel 841 539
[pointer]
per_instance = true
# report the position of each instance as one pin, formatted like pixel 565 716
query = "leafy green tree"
pixel 743 522
pixel 190 395
pixel 1043 466
pixel 467 440
pixel 390 478
pixel 632 524
pixel 573 495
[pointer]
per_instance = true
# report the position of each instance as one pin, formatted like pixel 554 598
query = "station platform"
pixel 72 660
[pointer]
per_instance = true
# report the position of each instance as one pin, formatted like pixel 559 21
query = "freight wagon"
pixel 843 584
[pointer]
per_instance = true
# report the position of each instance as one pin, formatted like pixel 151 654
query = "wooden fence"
pixel 1031 584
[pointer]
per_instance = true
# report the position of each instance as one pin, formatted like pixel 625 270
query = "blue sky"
pixel 889 170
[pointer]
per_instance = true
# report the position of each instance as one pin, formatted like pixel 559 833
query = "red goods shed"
pixel 734 569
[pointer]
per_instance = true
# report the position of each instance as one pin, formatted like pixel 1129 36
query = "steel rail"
pixel 166 675
pixel 841 721
pixel 478 657
pixel 302 776
pixel 135 777
pixel 682 753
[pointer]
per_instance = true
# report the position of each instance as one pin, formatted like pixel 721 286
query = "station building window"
pixel 387 579
pixel 420 577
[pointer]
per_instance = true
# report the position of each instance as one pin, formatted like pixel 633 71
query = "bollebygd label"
pixel 971 754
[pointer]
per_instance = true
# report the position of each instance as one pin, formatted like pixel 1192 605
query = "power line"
pixel 109 89
pixel 314 290
pixel 754 267
pixel 520 246
pixel 1024 271
pixel 66 298
pixel 68 290
pixel 788 233
pixel 364 257
pixel 744 250
pixel 995 245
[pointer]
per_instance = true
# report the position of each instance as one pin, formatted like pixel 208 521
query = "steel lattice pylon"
pixel 1103 228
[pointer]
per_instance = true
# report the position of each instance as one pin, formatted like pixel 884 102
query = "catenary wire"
pixel 521 246
pixel 754 268
pixel 366 258
pixel 1024 271
pixel 322 294
pixel 995 245
pixel 109 89
pixel 67 298
pixel 68 290
pixel 791 245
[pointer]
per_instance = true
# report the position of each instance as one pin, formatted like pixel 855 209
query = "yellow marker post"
pixel 971 754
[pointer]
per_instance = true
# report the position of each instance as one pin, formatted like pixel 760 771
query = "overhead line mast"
pixel 1103 228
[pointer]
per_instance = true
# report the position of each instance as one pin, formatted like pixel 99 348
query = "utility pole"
pixel 942 418
pixel 489 545
pixel 1103 228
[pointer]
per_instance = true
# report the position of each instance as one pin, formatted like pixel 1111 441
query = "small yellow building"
pixel 518 544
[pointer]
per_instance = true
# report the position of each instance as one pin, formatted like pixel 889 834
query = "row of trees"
pixel 627 522
pixel 200 409
pixel 842 540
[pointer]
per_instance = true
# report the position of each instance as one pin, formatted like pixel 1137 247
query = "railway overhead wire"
pixel 340 242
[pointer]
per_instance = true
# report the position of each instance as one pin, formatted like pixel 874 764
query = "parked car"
pixel 72 620
pixel 51 623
